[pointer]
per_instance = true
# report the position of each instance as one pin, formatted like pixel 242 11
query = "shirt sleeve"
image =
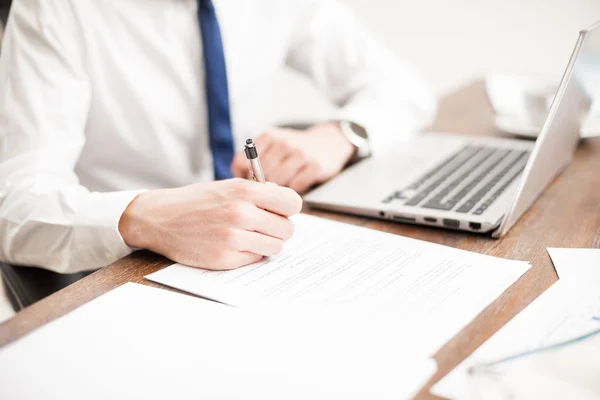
pixel 47 218
pixel 369 84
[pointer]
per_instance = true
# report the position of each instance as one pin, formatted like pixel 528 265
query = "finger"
pixel 239 166
pixel 276 199
pixel 289 167
pixel 264 142
pixel 236 259
pixel 243 258
pixel 271 162
pixel 272 156
pixel 306 178
pixel 216 259
pixel 265 139
pixel 267 223
pixel 258 243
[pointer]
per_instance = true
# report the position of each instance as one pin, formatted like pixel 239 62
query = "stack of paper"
pixel 568 309
pixel 147 343
pixel 437 288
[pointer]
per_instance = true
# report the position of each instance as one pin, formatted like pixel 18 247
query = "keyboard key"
pixel 468 153
pixel 483 191
pixel 436 169
pixel 437 206
pixel 431 173
pixel 501 155
pixel 436 201
pixel 490 200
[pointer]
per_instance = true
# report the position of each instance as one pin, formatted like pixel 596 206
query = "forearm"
pixel 65 229
pixel 389 111
pixel 47 218
pixel 385 95
pixel 372 87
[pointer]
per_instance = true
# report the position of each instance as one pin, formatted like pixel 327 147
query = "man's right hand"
pixel 218 225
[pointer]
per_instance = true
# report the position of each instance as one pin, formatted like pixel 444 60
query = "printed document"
pixel 329 264
pixel 138 342
pixel 569 309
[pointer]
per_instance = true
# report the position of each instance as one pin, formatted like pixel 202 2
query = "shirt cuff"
pixel 382 129
pixel 97 227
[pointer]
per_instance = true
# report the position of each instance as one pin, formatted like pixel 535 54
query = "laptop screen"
pixel 557 142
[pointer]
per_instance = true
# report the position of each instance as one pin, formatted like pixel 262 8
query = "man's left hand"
pixel 299 159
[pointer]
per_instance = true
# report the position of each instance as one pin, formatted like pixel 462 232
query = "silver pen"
pixel 254 161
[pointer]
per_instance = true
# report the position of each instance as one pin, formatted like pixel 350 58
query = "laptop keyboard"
pixel 469 181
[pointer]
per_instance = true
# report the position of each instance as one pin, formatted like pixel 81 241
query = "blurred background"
pixel 455 42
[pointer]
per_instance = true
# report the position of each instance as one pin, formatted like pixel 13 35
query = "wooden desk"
pixel 567 215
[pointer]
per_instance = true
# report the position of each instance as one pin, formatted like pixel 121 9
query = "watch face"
pixel 357 135
pixel 359 130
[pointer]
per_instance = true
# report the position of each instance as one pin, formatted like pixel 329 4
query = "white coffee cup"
pixel 523 97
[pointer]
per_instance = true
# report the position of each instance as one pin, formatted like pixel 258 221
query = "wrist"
pixel 338 140
pixel 132 224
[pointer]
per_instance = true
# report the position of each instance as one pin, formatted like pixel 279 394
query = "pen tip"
pixel 249 141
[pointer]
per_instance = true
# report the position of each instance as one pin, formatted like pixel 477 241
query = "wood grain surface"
pixel 566 215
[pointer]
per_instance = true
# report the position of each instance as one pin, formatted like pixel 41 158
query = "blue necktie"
pixel 217 93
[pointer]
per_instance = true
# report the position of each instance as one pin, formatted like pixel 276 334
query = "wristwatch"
pixel 357 135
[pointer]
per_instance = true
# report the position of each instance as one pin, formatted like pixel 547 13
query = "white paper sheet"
pixel 569 308
pixel 328 263
pixel 146 343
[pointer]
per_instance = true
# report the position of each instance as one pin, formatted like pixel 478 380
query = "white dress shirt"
pixel 101 99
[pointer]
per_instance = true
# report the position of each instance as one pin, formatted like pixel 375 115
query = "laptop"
pixel 475 184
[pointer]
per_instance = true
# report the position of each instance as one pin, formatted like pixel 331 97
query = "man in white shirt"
pixel 116 116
